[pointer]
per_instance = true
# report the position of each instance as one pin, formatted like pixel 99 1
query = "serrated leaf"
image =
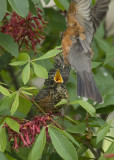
pixel 50 54
pixel 79 128
pixel 102 133
pixel 3 141
pixel 7 42
pixel 62 145
pixel 87 106
pixel 67 135
pixel 63 101
pixel 4 91
pixel 15 104
pixel 21 7
pixel 109 56
pixel 3 8
pixel 40 71
pixel 62 5
pixel 26 73
pixel 12 124
pixel 38 147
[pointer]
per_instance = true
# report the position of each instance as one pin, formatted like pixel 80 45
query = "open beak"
pixel 58 78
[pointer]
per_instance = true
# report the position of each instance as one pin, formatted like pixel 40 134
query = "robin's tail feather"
pixel 86 86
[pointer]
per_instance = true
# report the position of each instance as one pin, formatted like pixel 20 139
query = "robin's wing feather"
pixel 98 12
pixel 81 62
pixel 84 18
pixel 42 94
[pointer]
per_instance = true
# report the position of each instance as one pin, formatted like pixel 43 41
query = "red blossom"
pixel 28 130
pixel 27 30
pixel 109 156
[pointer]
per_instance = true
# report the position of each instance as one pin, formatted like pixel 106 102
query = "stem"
pixel 91 149
pixel 38 107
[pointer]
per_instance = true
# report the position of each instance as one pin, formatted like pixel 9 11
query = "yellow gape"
pixel 58 78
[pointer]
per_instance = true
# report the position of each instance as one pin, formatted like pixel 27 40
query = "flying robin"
pixel 55 87
pixel 76 43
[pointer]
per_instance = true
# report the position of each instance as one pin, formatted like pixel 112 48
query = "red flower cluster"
pixel 109 156
pixel 28 131
pixel 24 30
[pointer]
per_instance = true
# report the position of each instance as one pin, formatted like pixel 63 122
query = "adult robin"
pixel 55 88
pixel 76 43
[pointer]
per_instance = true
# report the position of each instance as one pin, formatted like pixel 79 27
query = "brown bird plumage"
pixel 76 43
pixel 55 87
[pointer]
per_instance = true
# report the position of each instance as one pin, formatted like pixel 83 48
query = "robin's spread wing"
pixel 83 16
pixel 98 12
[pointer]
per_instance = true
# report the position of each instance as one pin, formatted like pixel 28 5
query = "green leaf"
pixel 26 93
pixel 96 64
pixel 109 151
pixel 15 104
pixel 88 107
pixel 28 88
pixel 63 101
pixel 102 44
pixel 82 149
pixel 102 133
pixel 38 147
pixel 46 1
pixel 7 42
pixel 3 8
pixel 4 91
pixel 2 156
pixel 62 145
pixel 40 71
pixel 67 135
pixel 50 54
pixel 32 8
pixel 62 5
pixel 2 138
pixel 109 56
pixel 71 119
pixel 18 63
pixel 23 57
pixel 24 106
pixel 21 7
pixel 12 124
pixel 80 128
pixel 6 102
pixel 26 73
pixel 96 122
pixel 35 1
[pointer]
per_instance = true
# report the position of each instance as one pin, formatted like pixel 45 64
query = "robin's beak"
pixel 58 78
